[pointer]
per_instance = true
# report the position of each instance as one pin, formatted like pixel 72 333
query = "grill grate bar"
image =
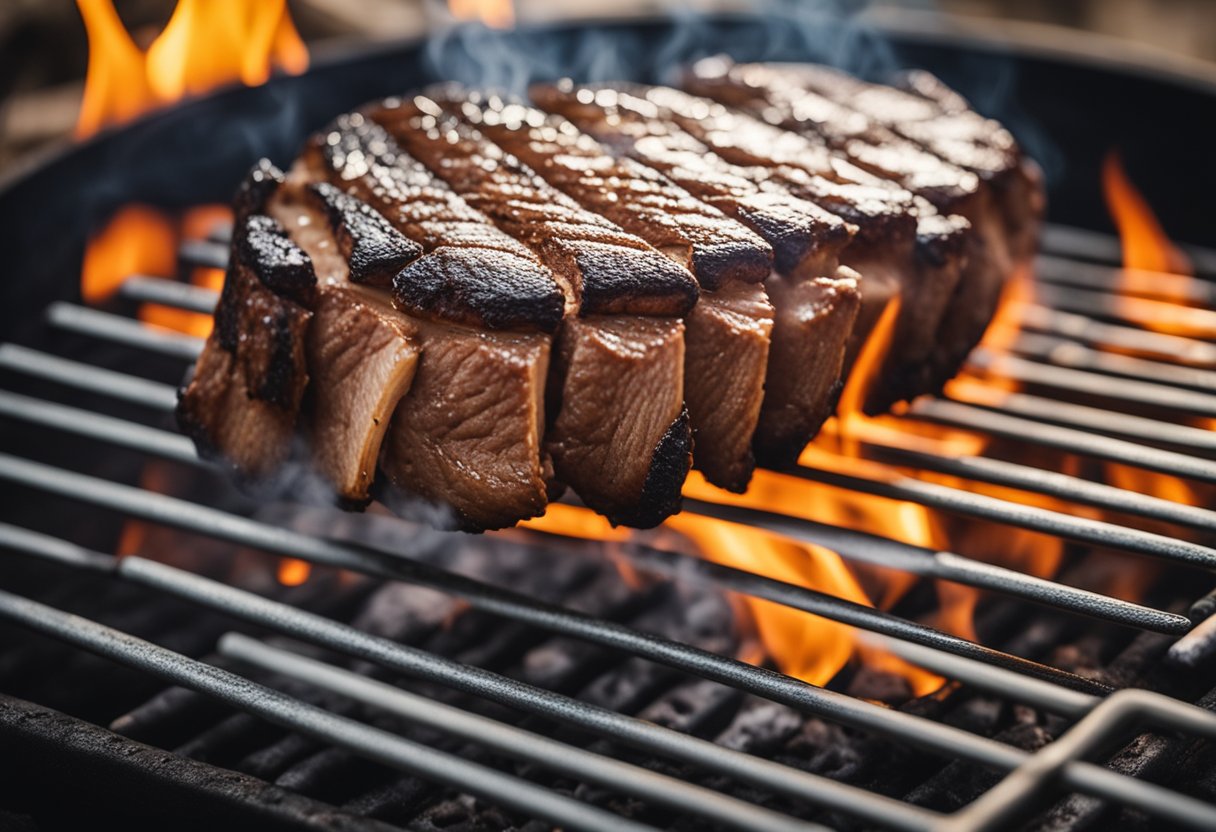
pixel 107 327
pixel 1163 285
pixel 1174 348
pixel 171 511
pixel 1068 353
pixel 1188 321
pixel 506 739
pixel 850 544
pixel 419 664
pixel 1146 393
pixel 1083 244
pixel 1074 774
pixel 1051 483
pixel 973 417
pixel 1059 524
pixel 314 722
pixel 87 377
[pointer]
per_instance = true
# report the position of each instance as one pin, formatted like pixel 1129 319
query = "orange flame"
pixel 497 14
pixel 205 44
pixel 1145 244
pixel 293 572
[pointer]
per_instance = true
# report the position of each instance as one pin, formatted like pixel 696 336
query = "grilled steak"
pixel 243 403
pixel 727 334
pixel 464 303
pixel 622 354
pixel 468 434
pixel 960 162
pixel 813 300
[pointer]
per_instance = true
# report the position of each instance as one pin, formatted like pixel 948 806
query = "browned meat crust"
pixel 727 333
pixel 243 402
pixel 472 273
pixel 805 238
pixel 607 270
pixel 951 286
pixel 715 248
pixel 618 384
pixel 374 251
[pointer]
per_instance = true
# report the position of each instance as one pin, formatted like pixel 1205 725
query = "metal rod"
pixel 1051 483
pixel 1154 284
pixel 88 377
pixel 126 331
pixel 972 417
pixel 208 254
pixel 1007 685
pixel 1141 429
pixel 1172 348
pixel 944 739
pixel 309 720
pixel 917 560
pixel 1187 321
pixel 159 508
pixel 850 544
pixel 143 289
pixel 416 663
pixel 1017 794
pixel 971 504
pixel 1196 647
pixel 98 426
pixel 570 761
pixel 1071 381
pixel 1084 244
pixel 1068 353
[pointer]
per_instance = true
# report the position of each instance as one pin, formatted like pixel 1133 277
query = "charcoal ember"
pixel 759 727
pixel 466 814
pixel 231 739
pixel 406 613
pixel 270 761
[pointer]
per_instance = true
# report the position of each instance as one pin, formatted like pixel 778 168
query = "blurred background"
pixel 44 51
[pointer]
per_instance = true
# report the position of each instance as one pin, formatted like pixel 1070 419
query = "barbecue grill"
pixel 426 679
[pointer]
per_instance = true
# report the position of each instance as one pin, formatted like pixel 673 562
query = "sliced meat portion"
pixel 815 318
pixel 806 239
pixel 243 402
pixel 609 353
pixel 955 281
pixel 1015 178
pixel 900 247
pixel 468 435
pixel 727 333
pixel 362 353
pixel 472 425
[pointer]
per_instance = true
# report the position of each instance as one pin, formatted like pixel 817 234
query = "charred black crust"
pixel 937 249
pixel 281 371
pixel 730 260
pixel 499 289
pixel 374 249
pixel 669 466
pixel 256 189
pixel 618 279
pixel 264 248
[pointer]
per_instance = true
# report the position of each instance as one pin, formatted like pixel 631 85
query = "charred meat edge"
pixel 464 446
pixel 611 461
pixel 728 333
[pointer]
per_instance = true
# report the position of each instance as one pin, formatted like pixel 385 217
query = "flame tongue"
pixel 1145 244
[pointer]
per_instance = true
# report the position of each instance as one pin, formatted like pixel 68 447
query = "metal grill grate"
pixel 1061 352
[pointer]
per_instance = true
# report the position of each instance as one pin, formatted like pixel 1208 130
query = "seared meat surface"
pixel 462 304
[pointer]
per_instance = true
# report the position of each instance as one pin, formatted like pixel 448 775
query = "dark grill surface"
pixel 564 617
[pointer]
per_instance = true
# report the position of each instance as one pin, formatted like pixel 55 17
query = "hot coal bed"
pixel 609 670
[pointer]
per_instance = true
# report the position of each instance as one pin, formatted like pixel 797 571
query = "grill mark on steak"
pixel 634 126
pixel 715 248
pixel 727 333
pixel 605 438
pixel 468 435
pixel 951 284
pixel 243 401
pixel 608 270
pixel 803 236
pixel 472 273
pixel 374 251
